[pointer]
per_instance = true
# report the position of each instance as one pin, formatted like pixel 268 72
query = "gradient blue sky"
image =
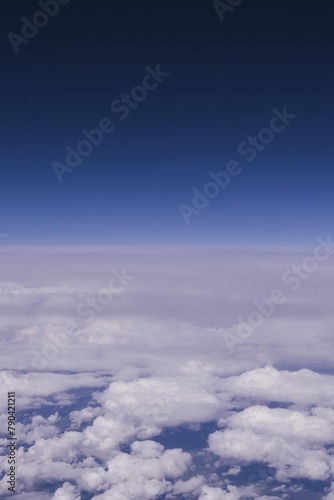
pixel 225 78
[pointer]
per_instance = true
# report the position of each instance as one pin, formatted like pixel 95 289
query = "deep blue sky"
pixel 225 78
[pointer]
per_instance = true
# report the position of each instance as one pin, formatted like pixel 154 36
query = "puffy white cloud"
pixel 66 492
pixel 330 495
pixel 145 472
pixel 86 415
pixel 39 428
pixel 303 388
pixel 143 407
pixel 35 389
pixel 292 442
pixel 230 493
pixel 193 486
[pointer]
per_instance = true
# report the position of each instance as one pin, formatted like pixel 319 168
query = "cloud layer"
pixel 96 392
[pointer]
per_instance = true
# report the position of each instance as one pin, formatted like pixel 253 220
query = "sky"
pixel 166 250
pixel 224 79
